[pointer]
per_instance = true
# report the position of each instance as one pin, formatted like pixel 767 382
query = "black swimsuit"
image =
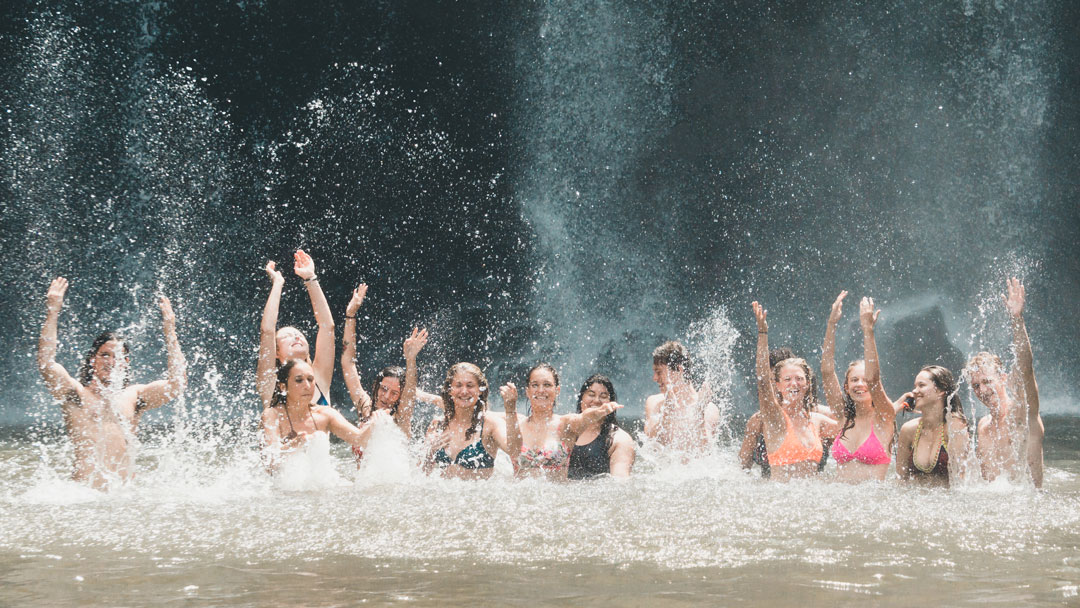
pixel 589 460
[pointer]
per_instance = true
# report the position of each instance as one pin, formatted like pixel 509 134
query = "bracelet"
pixel 763 332
pixel 313 278
pixel 353 318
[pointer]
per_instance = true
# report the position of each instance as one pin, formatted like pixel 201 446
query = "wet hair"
pixel 809 400
pixel 390 371
pixel 672 354
pixel 86 370
pixel 548 367
pixel 778 354
pixel 849 403
pixel 944 381
pixel 283 372
pixel 448 401
pixel 608 426
pixel 984 361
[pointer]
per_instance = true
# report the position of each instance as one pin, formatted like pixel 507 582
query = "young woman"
pixel 933 448
pixel 279 345
pixel 865 414
pixel 290 419
pixel 792 429
pixel 602 448
pixel 464 442
pixel 541 443
pixel 102 408
pixel 394 388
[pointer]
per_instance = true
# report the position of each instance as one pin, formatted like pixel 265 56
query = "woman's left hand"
pixel 303 265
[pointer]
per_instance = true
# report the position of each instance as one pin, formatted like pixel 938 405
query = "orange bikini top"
pixel 792 450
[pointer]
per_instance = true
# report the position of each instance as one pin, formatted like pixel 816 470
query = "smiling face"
pixel 299 386
pixel 542 390
pixel 855 383
pixel 792 383
pixel 109 363
pixel 988 385
pixel 387 393
pixel 464 390
pixel 665 377
pixel 926 393
pixel 595 395
pixel 291 344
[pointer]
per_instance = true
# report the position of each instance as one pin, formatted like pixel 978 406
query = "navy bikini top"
pixel 472 456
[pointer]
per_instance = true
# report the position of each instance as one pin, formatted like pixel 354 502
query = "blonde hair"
pixel 809 400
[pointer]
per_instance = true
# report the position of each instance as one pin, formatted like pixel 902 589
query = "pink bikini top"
pixel 870 452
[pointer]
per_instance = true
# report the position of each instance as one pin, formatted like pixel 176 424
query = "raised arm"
pixel 834 393
pixel 767 402
pixel 1014 302
pixel 360 398
pixel 412 346
pixel 161 392
pixel 59 382
pixel 509 395
pixel 882 404
pixel 323 363
pixel 266 368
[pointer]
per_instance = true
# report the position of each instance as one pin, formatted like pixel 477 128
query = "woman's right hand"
pixel 906 403
pixel 54 299
pixel 837 309
pixel 509 395
pixel 272 272
pixel 759 314
pixel 357 299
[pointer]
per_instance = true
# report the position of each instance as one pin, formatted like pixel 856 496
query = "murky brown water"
pixel 206 527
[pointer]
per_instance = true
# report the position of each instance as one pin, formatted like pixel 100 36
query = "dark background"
pixel 569 181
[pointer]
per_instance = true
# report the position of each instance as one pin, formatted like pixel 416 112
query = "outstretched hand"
pixel 598 413
pixel 272 272
pixel 303 265
pixel 837 308
pixel 867 315
pixel 357 299
pixel 414 343
pixel 509 395
pixel 1014 299
pixel 759 314
pixel 54 299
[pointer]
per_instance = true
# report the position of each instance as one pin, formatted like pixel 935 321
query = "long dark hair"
pixel 448 401
pixel 86 370
pixel 390 371
pixel 608 426
pixel 283 380
pixel 946 383
pixel 849 403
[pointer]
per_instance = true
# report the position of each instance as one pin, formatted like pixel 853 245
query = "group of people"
pixel 790 431
pixel 858 424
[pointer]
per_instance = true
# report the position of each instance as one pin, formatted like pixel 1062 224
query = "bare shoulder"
pixel 269 415
pixel 653 403
pixel 712 412
pixel 908 430
pixel 622 438
pixel 957 423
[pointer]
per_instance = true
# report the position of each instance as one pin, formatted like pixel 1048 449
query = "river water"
pixel 201 524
